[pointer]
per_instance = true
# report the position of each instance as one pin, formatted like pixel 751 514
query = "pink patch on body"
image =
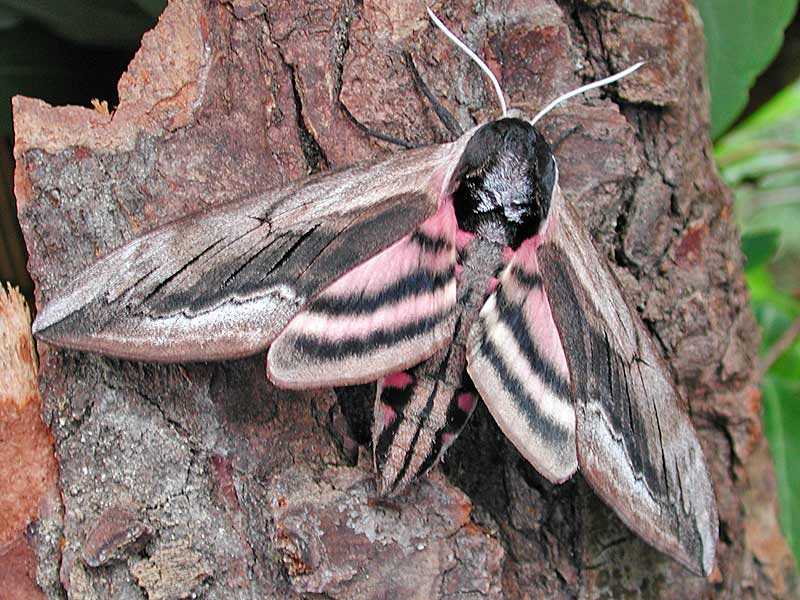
pixel 401 258
pixel 508 254
pixel 397 380
pixel 491 285
pixel 528 247
pixel 442 223
pixel 463 239
pixel 447 439
pixel 388 415
pixel 459 270
pixel 466 402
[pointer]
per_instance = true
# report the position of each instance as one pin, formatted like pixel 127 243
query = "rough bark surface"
pixel 203 479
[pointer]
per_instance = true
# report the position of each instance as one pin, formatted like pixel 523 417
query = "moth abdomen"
pixel 420 412
pixel 417 416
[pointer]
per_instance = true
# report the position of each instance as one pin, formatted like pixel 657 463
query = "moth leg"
pixel 447 119
pixel 377 134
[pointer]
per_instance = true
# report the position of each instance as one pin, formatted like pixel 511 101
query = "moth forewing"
pixel 636 447
pixel 223 283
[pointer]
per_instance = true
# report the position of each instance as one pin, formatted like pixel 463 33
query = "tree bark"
pixel 204 479
pixel 29 495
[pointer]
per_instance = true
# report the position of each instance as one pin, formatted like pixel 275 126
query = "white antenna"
pixel 585 88
pixel 473 56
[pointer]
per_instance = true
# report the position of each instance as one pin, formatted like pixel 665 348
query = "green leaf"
pixel 774 314
pixel 781 108
pixel 760 159
pixel 742 38
pixel 787 180
pixel 760 246
pixel 778 210
pixel 781 399
pixel 112 23
pixel 774 127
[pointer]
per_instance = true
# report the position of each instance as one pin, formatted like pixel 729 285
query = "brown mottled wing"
pixel 636 446
pixel 225 282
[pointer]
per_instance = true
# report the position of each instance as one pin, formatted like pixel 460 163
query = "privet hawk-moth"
pixel 446 272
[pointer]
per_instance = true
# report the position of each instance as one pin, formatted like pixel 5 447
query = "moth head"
pixel 504 182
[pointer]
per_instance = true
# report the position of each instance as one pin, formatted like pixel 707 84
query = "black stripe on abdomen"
pixel 397 399
pixel 411 450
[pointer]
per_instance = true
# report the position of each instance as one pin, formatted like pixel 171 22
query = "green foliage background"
pixel 742 38
pixel 760 160
pixel 69 51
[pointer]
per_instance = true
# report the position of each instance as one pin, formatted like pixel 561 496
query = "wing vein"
pixel 185 266
pixel 250 260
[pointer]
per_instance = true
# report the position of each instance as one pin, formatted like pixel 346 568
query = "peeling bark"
pixel 204 479
pixel 28 471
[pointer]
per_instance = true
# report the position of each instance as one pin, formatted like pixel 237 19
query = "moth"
pixel 447 273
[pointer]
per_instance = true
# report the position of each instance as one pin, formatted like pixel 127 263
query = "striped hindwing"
pixel 418 415
pixel 390 313
pixel 517 362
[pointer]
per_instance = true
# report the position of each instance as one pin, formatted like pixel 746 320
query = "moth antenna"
pixel 585 88
pixel 466 49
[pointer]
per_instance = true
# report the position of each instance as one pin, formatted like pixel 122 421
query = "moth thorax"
pixel 506 178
